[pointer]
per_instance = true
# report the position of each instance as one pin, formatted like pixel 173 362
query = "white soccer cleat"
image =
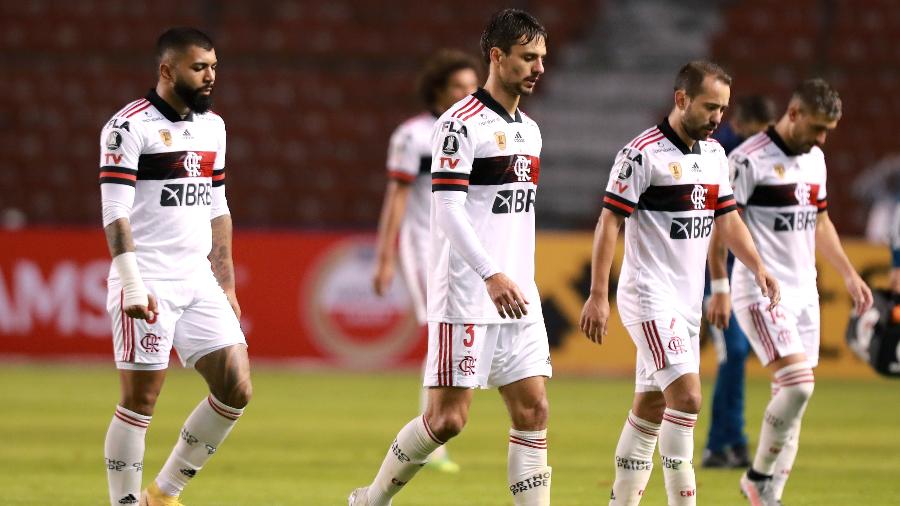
pixel 358 497
pixel 759 493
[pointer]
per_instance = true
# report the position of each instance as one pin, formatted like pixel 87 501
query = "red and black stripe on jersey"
pixel 682 197
pixel 784 195
pixel 493 171
pixel 405 177
pixel 673 198
pixel 117 175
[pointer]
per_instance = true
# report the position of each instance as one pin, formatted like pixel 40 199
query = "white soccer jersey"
pixel 670 195
pixel 409 161
pixel 480 149
pixel 782 193
pixel 177 169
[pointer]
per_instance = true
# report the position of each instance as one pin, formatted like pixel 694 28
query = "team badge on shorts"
pixel 166 137
pixel 675 169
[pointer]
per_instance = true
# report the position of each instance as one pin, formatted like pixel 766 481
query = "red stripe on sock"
pixel 522 442
pixel 131 420
pixel 428 430
pixel 220 411
pixel 641 429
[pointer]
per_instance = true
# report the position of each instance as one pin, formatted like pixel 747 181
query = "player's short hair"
pixel 179 39
pixel 690 77
pixel 818 97
pixel 507 28
pixel 755 108
pixel 437 71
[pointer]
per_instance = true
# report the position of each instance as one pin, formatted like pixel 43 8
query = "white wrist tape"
pixel 719 286
pixel 135 293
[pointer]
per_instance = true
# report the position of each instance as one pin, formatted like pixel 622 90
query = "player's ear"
pixel 496 54
pixel 681 99
pixel 166 72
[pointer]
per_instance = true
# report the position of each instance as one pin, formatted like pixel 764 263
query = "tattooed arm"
pixel 220 259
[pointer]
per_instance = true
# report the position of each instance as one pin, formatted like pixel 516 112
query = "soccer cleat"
pixel 443 464
pixel 358 497
pixel 715 460
pixel 153 496
pixel 739 458
pixel 759 493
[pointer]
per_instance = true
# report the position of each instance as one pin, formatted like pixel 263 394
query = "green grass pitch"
pixel 308 438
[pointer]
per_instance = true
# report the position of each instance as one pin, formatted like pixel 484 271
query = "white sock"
pixel 407 454
pixel 676 449
pixel 527 471
pixel 795 386
pixel 202 433
pixel 785 460
pixel 124 452
pixel 634 460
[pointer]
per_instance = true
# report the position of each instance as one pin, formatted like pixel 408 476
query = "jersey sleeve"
pixel 402 160
pixel 822 197
pixel 743 177
pixel 726 201
pixel 120 150
pixel 219 204
pixel 452 155
pixel 629 177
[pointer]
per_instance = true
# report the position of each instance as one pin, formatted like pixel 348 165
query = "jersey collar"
pixel 670 134
pixel 165 109
pixel 778 141
pixel 485 98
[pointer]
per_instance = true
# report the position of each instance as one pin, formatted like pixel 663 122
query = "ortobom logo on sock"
pixel 633 465
pixel 190 473
pixel 128 499
pixel 397 482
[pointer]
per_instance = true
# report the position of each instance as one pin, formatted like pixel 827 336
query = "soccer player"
pixel 671 183
pixel 171 283
pixel 726 445
pixel 486 328
pixel 447 77
pixel 779 179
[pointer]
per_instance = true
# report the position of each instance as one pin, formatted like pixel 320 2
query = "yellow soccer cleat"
pixel 443 464
pixel 153 496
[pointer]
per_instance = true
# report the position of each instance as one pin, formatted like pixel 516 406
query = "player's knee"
pixel 142 402
pixel 687 401
pixel 531 414
pixel 238 394
pixel 447 425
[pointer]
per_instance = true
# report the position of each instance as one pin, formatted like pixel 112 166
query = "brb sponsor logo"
pixel 799 221
pixel 691 227
pixel 348 320
pixel 513 201
pixel 186 194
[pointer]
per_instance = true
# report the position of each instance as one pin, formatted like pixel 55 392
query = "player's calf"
pixel 634 460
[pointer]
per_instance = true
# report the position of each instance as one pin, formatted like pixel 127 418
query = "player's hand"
pixel 232 299
pixel 384 275
pixel 859 292
pixel 718 310
pixel 142 312
pixel 507 297
pixel 768 285
pixel 594 316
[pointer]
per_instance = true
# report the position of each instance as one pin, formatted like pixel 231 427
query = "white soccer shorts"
pixel 667 349
pixel 193 316
pixel 791 328
pixel 486 356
